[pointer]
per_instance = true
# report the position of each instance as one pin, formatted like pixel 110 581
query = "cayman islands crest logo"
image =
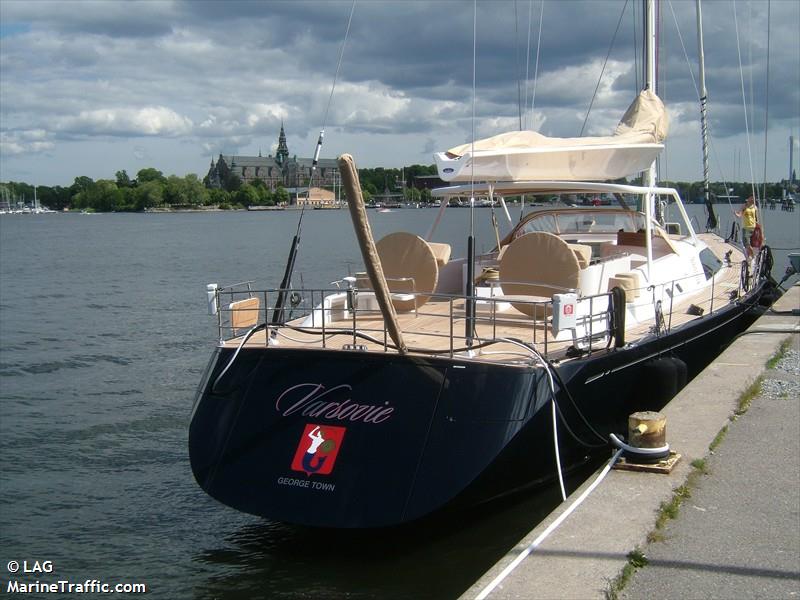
pixel 318 448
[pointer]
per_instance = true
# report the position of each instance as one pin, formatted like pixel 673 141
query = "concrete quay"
pixel 736 536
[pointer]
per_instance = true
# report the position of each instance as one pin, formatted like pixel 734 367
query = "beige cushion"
pixel 583 253
pixel 636 280
pixel 538 264
pixel 244 313
pixel 441 252
pixel 626 283
pixel 409 265
pixel 661 243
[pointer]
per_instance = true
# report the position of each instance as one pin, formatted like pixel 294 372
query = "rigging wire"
pixel 744 104
pixel 636 57
pixel 330 101
pixel 516 56
pixel 293 250
pixel 657 26
pixel 339 63
pixel 536 67
pixel 766 102
pixel 602 71
pixel 708 125
pixel 527 62
pixel 661 90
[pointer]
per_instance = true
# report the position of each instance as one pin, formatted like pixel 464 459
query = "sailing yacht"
pixel 429 381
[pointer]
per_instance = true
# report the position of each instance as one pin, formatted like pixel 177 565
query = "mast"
pixel 711 223
pixel 650 83
pixel 469 304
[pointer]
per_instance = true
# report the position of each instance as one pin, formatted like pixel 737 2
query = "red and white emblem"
pixel 318 448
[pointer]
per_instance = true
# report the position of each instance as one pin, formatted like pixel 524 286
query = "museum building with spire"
pixel 283 170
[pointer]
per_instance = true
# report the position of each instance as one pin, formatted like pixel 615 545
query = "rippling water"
pixel 103 340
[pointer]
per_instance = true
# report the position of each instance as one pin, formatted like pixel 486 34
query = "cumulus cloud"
pixel 15 143
pixel 220 76
pixel 127 122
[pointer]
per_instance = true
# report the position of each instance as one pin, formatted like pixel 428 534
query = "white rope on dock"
pixel 550 528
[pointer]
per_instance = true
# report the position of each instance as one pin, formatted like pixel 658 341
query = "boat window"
pixel 582 221
pixel 599 222
pixel 711 264
pixel 546 223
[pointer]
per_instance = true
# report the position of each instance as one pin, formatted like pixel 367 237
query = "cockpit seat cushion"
pixel 410 267
pixel 538 264
pixel 583 253
pixel 626 283
pixel 441 252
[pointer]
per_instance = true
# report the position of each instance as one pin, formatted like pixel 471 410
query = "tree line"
pixel 152 189
pixel 149 189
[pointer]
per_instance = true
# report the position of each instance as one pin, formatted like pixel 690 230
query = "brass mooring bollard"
pixel 647 429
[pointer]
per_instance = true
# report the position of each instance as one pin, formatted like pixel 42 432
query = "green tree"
pixel 281 196
pixel 127 199
pixel 264 195
pixel 267 197
pixel 56 197
pixel 185 191
pixel 105 196
pixel 148 195
pixel 195 190
pixel 412 194
pixel 79 187
pixel 150 174
pixel 247 195
pixel 232 183
pixel 219 197
pixel 123 181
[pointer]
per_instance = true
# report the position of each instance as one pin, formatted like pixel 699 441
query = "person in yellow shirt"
pixel 749 221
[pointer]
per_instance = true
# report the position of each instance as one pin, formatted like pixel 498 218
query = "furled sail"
pixel 531 156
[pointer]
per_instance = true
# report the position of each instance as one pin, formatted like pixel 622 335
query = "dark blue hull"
pixel 355 439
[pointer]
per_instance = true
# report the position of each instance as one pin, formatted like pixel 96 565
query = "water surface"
pixel 103 339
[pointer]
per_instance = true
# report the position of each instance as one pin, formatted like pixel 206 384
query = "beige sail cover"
pixel 372 262
pixel 645 122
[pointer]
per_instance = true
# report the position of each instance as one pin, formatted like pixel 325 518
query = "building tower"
pixel 283 150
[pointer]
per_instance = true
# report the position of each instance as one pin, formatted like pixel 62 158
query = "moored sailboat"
pixel 430 381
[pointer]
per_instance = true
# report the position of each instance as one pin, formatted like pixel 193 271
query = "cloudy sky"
pixel 93 87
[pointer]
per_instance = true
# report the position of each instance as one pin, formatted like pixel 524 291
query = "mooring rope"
pixel 550 528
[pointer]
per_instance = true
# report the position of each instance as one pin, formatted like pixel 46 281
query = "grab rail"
pixel 322 314
pixel 318 315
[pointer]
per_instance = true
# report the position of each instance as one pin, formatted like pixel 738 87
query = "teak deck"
pixel 439 325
